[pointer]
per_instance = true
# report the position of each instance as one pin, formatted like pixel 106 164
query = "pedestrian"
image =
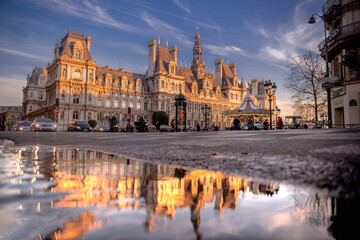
pixel 279 123
pixel 250 124
pixel 157 125
pixel 266 124
pixel 236 124
pixel 129 128
pixel 198 128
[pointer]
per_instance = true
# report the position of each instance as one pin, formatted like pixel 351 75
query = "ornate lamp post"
pixel 180 113
pixel 206 110
pixel 270 89
pixel 312 21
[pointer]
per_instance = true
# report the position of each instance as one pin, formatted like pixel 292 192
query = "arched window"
pixel 173 86
pixel 76 99
pixel 162 84
pixel 172 70
pixel 78 54
pixel 76 115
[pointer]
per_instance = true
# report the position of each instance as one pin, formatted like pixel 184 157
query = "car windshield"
pixel 46 120
pixel 25 123
pixel 82 123
pixel 103 126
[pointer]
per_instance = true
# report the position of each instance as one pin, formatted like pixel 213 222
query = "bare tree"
pixel 302 81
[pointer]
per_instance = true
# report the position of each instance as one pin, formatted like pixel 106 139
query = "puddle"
pixel 58 193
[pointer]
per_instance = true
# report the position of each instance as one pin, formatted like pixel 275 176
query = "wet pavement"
pixel 65 193
pixel 322 158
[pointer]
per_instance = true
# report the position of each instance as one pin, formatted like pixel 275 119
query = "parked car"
pixel 101 128
pixel 79 126
pixel 23 126
pixel 43 124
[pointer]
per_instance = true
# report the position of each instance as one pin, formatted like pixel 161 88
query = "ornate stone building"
pixel 342 19
pixel 34 94
pixel 82 90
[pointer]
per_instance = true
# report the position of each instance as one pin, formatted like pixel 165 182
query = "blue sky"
pixel 259 36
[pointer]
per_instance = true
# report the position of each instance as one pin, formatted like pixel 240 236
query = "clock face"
pixel 201 71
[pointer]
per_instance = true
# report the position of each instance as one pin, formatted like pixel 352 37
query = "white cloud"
pixel 181 5
pixel 87 10
pixel 223 50
pixel 268 53
pixel 18 53
pixel 290 39
pixel 162 28
pixel 212 26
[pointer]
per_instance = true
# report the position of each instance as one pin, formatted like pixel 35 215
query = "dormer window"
pixel 78 54
pixel 172 70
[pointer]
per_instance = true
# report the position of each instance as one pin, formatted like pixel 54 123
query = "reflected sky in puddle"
pixel 49 193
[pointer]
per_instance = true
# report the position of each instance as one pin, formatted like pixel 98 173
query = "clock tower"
pixel 197 66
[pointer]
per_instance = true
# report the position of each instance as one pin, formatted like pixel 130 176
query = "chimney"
pixel 173 53
pixel 233 68
pixel 151 57
pixel 218 71
pixel 88 41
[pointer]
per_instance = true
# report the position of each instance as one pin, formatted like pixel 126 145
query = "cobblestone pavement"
pixel 327 159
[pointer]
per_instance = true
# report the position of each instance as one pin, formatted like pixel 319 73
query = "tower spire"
pixel 197 65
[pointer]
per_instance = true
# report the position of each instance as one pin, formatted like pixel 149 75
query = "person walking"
pixel 236 124
pixel 266 124
pixel 198 128
pixel 250 124
pixel 279 123
pixel 157 125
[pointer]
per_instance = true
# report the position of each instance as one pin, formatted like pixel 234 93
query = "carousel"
pixel 248 110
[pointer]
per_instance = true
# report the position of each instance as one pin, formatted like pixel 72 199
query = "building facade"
pixel 342 19
pixel 34 94
pixel 9 115
pixel 81 90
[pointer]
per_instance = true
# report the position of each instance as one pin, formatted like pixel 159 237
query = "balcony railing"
pixel 341 33
pixel 329 4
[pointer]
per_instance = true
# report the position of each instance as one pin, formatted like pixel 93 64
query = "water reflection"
pixel 89 194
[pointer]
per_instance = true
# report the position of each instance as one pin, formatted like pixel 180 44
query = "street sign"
pixel 56 111
pixel 332 84
pixel 129 116
pixel 329 79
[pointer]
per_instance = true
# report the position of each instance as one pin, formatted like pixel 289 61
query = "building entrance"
pixel 339 117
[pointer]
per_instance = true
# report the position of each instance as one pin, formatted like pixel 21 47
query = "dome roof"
pixel 180 97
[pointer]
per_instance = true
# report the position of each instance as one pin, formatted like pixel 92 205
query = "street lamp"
pixel 270 91
pixel 278 110
pixel 312 21
pixel 206 110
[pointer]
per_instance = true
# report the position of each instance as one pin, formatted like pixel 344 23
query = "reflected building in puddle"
pixel 99 179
